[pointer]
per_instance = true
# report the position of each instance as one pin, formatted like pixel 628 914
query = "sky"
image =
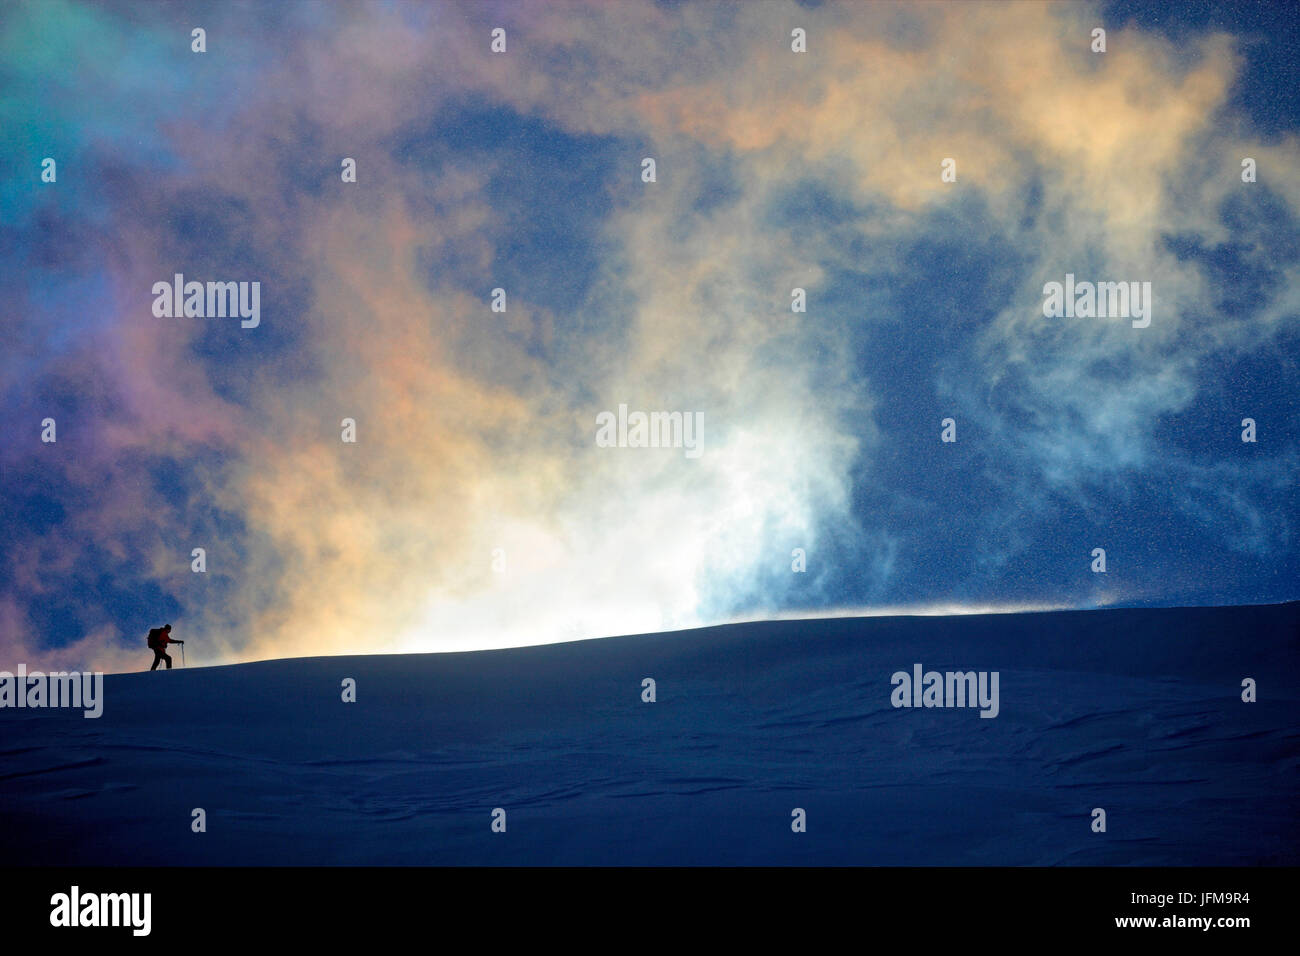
pixel 475 507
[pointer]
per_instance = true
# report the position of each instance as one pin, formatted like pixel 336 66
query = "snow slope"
pixel 1135 711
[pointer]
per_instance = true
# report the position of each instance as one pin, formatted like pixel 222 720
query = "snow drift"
pixel 1135 711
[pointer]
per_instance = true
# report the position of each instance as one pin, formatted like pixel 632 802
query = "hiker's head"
pixel 167 627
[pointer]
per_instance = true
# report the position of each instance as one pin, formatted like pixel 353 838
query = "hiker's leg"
pixel 168 659
pixel 157 659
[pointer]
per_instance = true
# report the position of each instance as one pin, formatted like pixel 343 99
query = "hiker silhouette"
pixel 159 638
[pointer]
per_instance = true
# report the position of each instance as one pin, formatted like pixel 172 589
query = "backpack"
pixel 154 637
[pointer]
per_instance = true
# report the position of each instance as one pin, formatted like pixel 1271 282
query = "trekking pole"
pixel 182 655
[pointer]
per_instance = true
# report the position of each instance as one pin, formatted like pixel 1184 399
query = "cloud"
pixel 476 429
